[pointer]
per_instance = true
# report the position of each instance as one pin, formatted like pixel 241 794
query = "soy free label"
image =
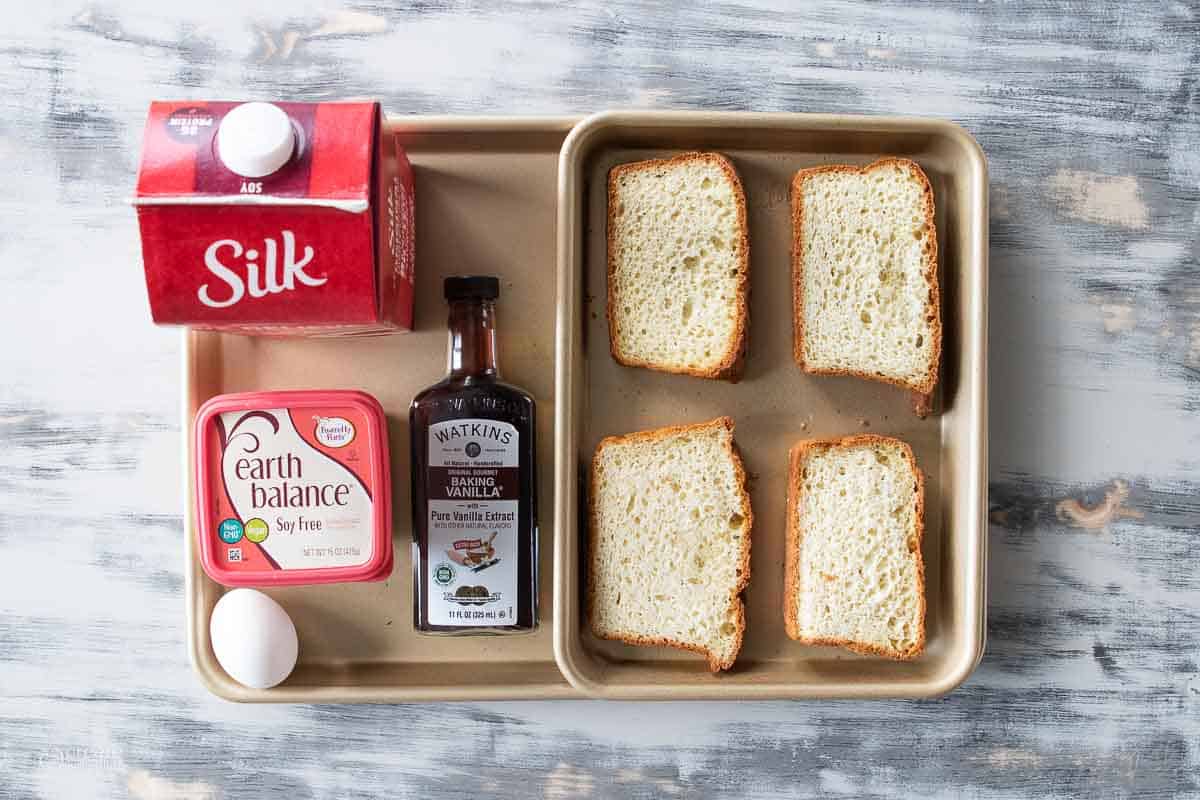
pixel 474 494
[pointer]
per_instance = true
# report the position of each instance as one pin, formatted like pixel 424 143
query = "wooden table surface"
pixel 1090 116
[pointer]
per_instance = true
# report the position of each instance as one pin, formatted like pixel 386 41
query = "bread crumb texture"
pixel 670 540
pixel 868 262
pixel 677 263
pixel 859 569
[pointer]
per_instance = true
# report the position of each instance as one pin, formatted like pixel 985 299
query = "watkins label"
pixel 474 494
pixel 227 260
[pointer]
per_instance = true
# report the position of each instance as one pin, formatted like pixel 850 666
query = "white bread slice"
pixel 678 265
pixel 853 572
pixel 864 267
pixel 669 543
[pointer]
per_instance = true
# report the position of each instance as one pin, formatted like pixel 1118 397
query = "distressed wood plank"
pixel 1090 117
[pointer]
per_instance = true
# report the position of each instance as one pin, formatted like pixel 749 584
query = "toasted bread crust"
pixel 927 385
pixel 922 404
pixel 731 364
pixel 791 580
pixel 715 664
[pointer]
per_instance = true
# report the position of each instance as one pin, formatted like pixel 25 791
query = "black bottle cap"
pixel 471 287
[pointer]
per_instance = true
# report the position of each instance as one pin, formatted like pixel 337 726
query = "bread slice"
pixel 678 266
pixel 670 540
pixel 864 267
pixel 853 571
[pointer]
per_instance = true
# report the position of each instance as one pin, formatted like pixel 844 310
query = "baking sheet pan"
pixel 485 203
pixel 776 404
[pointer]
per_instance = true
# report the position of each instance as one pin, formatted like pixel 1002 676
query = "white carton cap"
pixel 255 139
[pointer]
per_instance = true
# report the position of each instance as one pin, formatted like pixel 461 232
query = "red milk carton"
pixel 276 218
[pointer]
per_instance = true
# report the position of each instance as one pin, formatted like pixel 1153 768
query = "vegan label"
pixel 257 530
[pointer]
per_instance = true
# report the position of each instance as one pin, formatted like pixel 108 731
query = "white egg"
pixel 253 638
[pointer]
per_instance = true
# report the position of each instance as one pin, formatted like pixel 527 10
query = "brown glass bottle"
pixel 474 483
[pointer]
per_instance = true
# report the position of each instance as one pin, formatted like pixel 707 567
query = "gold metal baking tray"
pixel 486 203
pixel 488 194
pixel 776 404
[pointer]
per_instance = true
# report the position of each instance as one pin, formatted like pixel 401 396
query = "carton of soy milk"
pixel 276 218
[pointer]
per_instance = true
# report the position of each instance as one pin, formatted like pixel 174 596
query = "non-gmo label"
pixel 230 531
pixel 443 574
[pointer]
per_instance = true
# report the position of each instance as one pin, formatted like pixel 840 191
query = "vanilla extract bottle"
pixel 474 483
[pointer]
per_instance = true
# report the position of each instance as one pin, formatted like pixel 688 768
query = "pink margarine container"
pixel 293 488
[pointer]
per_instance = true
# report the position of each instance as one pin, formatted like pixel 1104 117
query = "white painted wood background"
pixel 1090 115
